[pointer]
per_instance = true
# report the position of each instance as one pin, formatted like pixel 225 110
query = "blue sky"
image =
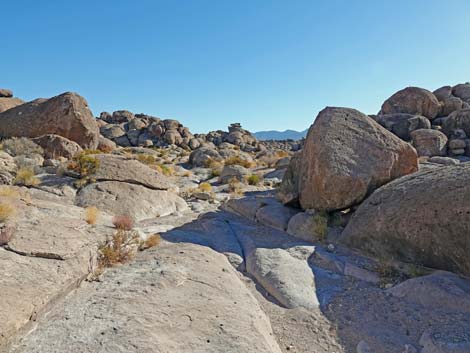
pixel 267 64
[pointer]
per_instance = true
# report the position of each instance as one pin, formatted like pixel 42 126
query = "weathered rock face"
pixel 118 168
pixel 211 309
pixel 412 100
pixel 139 202
pixel 230 172
pixel 429 142
pixel 288 191
pixel 8 103
pixel 66 115
pixel 422 218
pixel 203 155
pixel 462 91
pixel 403 124
pixel 56 146
pixel 459 119
pixel 346 156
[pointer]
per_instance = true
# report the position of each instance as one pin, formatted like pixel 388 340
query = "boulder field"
pixel 128 233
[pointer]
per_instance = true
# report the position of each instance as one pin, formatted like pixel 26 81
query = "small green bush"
pixel 253 179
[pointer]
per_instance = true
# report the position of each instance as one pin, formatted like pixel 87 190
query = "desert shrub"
pixel 21 146
pixel 215 167
pixel 118 250
pixel 235 186
pixel 253 179
pixel 320 225
pixel 165 169
pixel 282 154
pixel 84 163
pixel 6 191
pixel 152 241
pixel 91 215
pixel 6 212
pixel 239 161
pixel 6 234
pixel 26 177
pixel 146 159
pixel 123 222
pixel 205 187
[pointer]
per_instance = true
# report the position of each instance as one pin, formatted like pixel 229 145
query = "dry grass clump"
pixel 282 154
pixel 26 177
pixel 119 249
pixel 6 212
pixel 215 167
pixel 239 161
pixel 6 234
pixel 235 186
pixel 123 222
pixel 152 241
pixel 147 159
pixel 91 215
pixel 165 169
pixel 268 160
pixel 205 187
pixel 21 146
pixel 253 179
pixel 6 191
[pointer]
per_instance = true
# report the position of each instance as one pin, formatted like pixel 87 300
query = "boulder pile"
pixel 436 123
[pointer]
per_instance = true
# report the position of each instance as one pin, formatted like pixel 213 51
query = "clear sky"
pixel 268 64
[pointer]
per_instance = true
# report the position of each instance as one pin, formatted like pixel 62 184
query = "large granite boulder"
pixel 137 201
pixel 346 156
pixel 429 142
pixel 66 115
pixel 203 155
pixel 462 91
pixel 119 168
pixel 56 146
pixel 412 100
pixel 459 119
pixel 421 218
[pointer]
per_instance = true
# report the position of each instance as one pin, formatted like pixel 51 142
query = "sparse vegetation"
pixel 91 215
pixel 123 222
pixel 237 160
pixel 205 187
pixel 235 186
pixel 253 179
pixel 165 169
pixel 6 212
pixel 21 146
pixel 84 163
pixel 119 249
pixel 10 192
pixel 215 167
pixel 152 241
pixel 320 225
pixel 387 272
pixel 26 177
pixel 146 159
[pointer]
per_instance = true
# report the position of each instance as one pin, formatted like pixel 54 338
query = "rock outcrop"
pixel 421 218
pixel 66 115
pixel 412 100
pixel 346 156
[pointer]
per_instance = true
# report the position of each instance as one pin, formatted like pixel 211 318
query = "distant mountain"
pixel 280 135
